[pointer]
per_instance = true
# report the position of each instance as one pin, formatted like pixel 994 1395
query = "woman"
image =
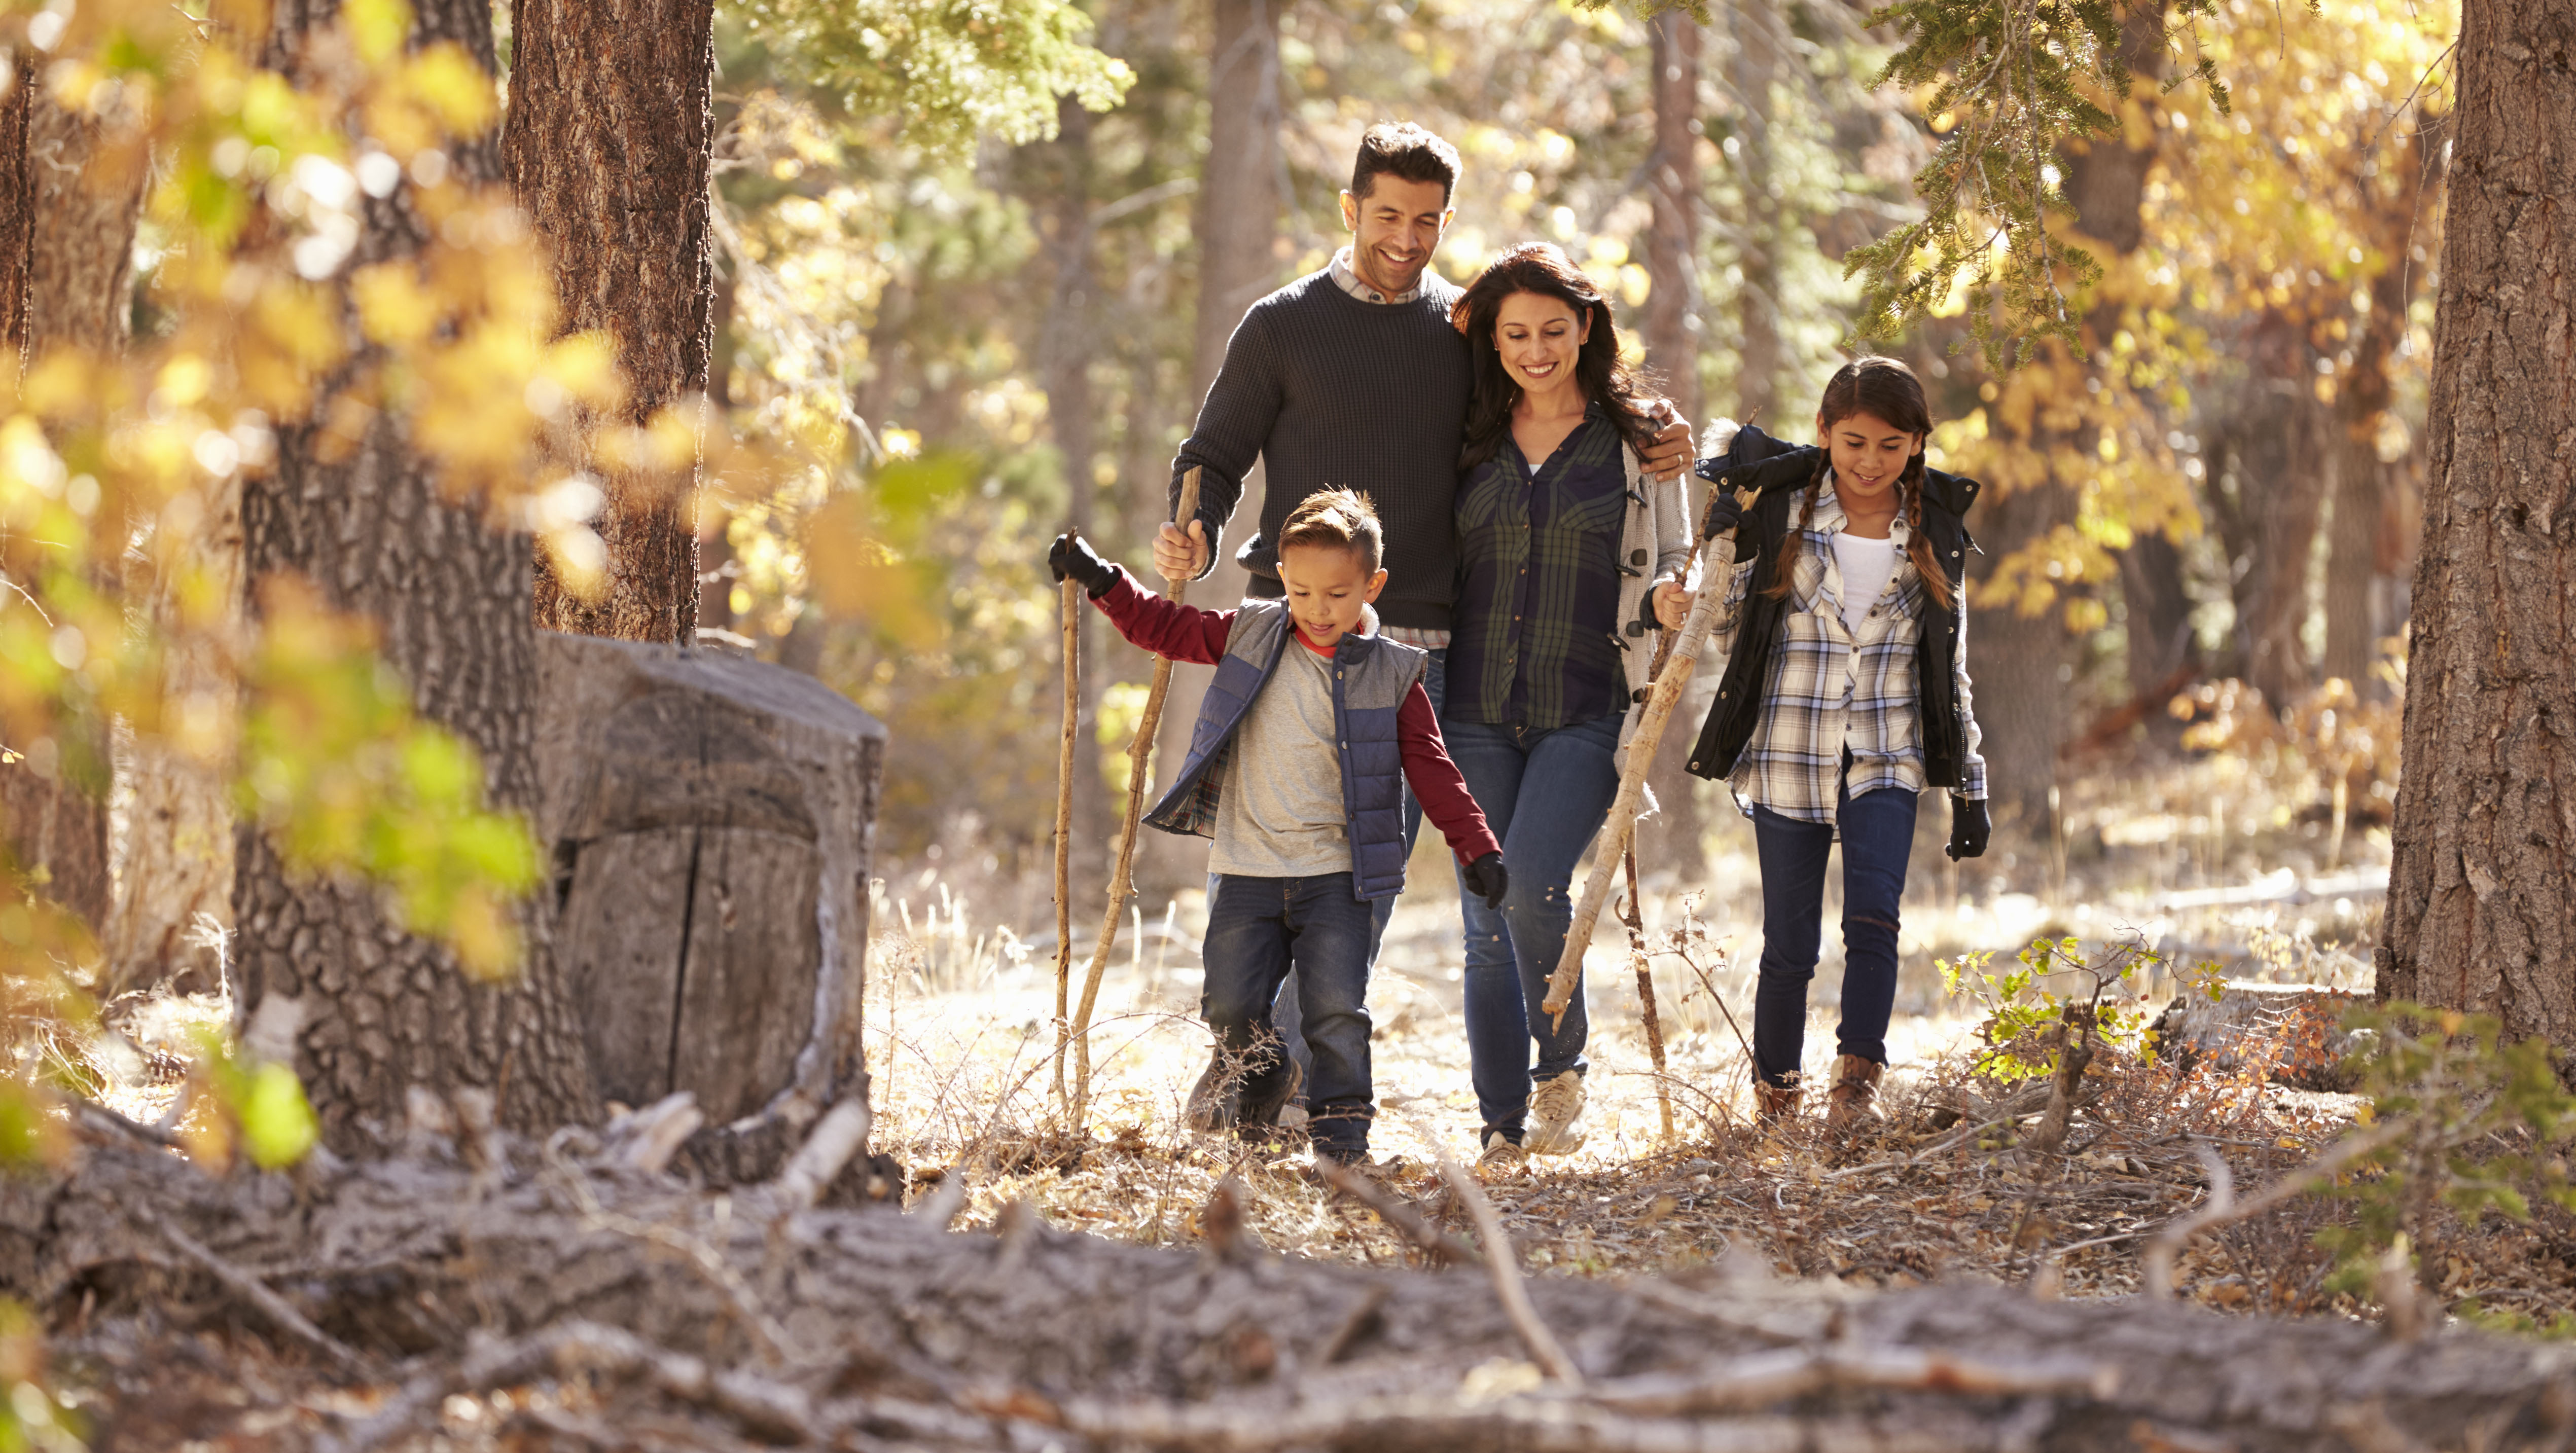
pixel 1571 559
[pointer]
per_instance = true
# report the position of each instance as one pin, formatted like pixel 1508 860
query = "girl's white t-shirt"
pixel 1865 565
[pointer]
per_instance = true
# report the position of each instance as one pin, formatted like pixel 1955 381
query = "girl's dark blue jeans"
pixel 1258 929
pixel 1544 793
pixel 1878 836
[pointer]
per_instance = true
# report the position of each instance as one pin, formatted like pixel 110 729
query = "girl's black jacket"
pixel 1770 475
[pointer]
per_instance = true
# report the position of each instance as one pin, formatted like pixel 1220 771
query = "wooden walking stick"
pixel 1140 756
pixel 1064 821
pixel 1619 830
pixel 1635 918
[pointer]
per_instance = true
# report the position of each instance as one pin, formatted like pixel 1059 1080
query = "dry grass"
pixel 963 1090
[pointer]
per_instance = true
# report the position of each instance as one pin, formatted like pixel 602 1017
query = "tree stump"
pixel 2296 1030
pixel 712 821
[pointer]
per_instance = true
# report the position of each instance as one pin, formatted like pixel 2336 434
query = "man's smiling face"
pixel 1394 231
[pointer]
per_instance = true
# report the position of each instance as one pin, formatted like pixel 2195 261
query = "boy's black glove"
pixel 1487 880
pixel 1725 511
pixel 1968 828
pixel 1071 555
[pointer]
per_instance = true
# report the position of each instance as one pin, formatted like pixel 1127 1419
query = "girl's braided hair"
pixel 1886 390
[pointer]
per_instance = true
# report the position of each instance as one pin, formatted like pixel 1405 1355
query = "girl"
pixel 1562 543
pixel 1845 695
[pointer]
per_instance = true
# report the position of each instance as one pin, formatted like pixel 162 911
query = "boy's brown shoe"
pixel 1850 1103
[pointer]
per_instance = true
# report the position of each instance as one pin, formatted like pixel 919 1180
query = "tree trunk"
pixel 17 205
pixel 607 147
pixel 690 1322
pixel 1068 341
pixel 1673 838
pixel 2021 663
pixel 2361 478
pixel 2017 663
pixel 2159 616
pixel 1760 357
pixel 370 528
pixel 81 187
pixel 2279 455
pixel 2481 907
pixel 1238 229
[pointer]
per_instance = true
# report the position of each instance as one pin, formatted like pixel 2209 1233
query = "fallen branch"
pixel 1766 1378
pixel 770 1411
pixel 280 1313
pixel 2156 1264
pixel 1393 1210
pixel 1504 1264
pixel 842 1130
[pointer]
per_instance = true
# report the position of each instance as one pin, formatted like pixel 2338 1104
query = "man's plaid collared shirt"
pixel 1347 278
pixel 1833 694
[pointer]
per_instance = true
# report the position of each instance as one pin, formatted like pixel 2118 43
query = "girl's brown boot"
pixel 1848 1104
pixel 1774 1103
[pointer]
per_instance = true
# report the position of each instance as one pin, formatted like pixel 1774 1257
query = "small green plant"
pixel 2060 987
pixel 2467 1122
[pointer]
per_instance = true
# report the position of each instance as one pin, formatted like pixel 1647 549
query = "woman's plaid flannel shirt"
pixel 1833 692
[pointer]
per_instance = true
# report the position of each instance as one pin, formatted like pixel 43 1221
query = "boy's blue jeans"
pixel 1878 835
pixel 1545 794
pixel 1260 928
pixel 1435 677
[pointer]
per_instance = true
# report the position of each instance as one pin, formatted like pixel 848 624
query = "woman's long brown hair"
pixel 1888 391
pixel 1541 268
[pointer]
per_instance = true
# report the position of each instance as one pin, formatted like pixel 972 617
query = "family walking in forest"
pixel 1474 536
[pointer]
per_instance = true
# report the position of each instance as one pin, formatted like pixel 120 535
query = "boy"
pixel 1296 768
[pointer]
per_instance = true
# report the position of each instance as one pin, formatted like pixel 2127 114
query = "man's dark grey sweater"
pixel 1333 392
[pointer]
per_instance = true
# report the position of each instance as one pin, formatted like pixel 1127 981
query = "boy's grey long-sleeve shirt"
pixel 1331 392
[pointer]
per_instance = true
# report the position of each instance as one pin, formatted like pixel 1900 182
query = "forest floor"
pixel 965 1087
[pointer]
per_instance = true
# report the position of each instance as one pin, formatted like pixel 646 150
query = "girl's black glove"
pixel 1968 828
pixel 1487 880
pixel 1725 511
pixel 1071 555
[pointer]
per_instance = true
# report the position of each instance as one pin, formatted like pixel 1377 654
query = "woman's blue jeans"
pixel 1878 836
pixel 1544 793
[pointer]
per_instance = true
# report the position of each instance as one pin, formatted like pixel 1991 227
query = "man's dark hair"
pixel 1406 151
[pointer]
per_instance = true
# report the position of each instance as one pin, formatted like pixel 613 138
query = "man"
pixel 1354 378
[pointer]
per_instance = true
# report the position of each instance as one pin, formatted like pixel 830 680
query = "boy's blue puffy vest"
pixel 1371 677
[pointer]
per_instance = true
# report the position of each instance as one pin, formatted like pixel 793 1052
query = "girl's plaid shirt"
pixel 1833 692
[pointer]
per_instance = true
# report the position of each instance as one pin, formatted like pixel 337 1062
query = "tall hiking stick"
pixel 1634 917
pixel 1122 880
pixel 1619 830
pixel 1064 821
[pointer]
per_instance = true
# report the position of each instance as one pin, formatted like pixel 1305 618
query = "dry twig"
pixel 1504 1263
pixel 280 1312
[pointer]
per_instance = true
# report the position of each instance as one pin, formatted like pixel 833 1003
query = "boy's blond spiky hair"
pixel 1337 519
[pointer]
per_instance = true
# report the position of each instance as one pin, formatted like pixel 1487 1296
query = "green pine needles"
pixel 2007 84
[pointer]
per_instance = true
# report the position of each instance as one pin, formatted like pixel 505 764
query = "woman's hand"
pixel 1672 605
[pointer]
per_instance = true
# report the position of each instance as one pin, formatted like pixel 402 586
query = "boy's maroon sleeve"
pixel 1165 627
pixel 1436 783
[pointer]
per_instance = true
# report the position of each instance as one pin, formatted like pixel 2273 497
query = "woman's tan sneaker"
pixel 1553 1110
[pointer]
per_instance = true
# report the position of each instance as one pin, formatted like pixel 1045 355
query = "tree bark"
pixel 1673 838
pixel 81 185
pixel 864 1328
pixel 607 147
pixel 2159 614
pixel 1238 231
pixel 1068 340
pixel 2279 458
pixel 2481 907
pixel 368 526
pixel 17 204
pixel 1752 73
